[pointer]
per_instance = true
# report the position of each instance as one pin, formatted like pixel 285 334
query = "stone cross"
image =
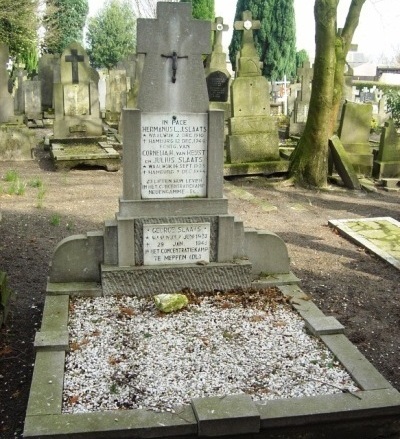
pixel 74 58
pixel 173 45
pixel 218 27
pixel 247 25
pixel 306 74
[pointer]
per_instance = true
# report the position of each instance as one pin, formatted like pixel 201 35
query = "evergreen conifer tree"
pixel 202 9
pixel 275 41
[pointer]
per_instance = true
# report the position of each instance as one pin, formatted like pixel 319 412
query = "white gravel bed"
pixel 125 354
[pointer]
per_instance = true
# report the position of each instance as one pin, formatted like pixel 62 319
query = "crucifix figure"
pixel 74 58
pixel 165 41
pixel 174 58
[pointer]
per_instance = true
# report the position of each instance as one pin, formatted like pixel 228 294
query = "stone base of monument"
pixel 369 413
pixel 386 170
pixel 89 151
pixel 17 142
pixel 256 168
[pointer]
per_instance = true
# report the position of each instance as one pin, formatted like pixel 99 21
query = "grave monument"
pixel 117 88
pixel 217 76
pixel 354 132
pixel 173 231
pixel 253 133
pixel 6 99
pixel 78 127
pixel 76 103
pixel 387 162
pixel 302 102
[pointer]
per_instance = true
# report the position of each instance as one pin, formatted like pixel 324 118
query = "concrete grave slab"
pixel 380 235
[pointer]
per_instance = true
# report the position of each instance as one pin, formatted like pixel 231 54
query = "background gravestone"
pixel 117 88
pixel 354 132
pixel 48 68
pixel 253 134
pixel 76 101
pixel 217 75
pixel 6 99
pixel 387 163
pixel 33 100
pixel 302 102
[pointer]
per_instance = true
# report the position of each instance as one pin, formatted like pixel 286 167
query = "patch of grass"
pixel 11 176
pixel 35 182
pixel 70 226
pixel 40 197
pixel 55 220
pixel 17 187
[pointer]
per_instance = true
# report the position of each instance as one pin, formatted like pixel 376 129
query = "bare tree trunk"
pixel 309 163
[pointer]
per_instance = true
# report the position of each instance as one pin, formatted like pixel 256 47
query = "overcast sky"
pixel 377 35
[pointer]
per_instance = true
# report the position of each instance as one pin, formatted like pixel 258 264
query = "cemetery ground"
pixel 344 280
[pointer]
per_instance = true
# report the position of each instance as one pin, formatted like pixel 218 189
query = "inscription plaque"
pixel 217 86
pixel 185 243
pixel 174 155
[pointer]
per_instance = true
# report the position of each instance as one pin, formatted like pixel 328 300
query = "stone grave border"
pixel 346 231
pixel 106 156
pixel 375 410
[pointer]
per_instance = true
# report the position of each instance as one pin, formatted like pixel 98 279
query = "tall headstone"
pixel 354 132
pixel 76 101
pixel 6 99
pixel 387 163
pixel 48 74
pixel 172 230
pixel 253 134
pixel 19 76
pixel 117 88
pixel 33 99
pixel 302 102
pixel 217 75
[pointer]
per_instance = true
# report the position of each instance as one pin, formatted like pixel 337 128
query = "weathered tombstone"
pixel 6 99
pixel 172 229
pixel 387 163
pixel 48 74
pixel 76 102
pixel 354 132
pixel 19 76
pixel 302 102
pixel 33 100
pixel 217 75
pixel 253 134
pixel 117 87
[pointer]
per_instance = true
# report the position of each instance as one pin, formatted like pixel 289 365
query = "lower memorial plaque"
pixel 185 243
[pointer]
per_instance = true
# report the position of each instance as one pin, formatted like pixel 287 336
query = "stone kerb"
pixel 372 411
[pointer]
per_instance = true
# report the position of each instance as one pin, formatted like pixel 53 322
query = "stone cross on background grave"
pixel 76 100
pixel 218 27
pixel 306 73
pixel 247 59
pixel 218 77
pixel 247 25
pixel 253 134
pixel 74 59
pixel 158 39
pixel 7 103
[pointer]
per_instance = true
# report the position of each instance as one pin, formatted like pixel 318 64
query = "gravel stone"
pixel 125 354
